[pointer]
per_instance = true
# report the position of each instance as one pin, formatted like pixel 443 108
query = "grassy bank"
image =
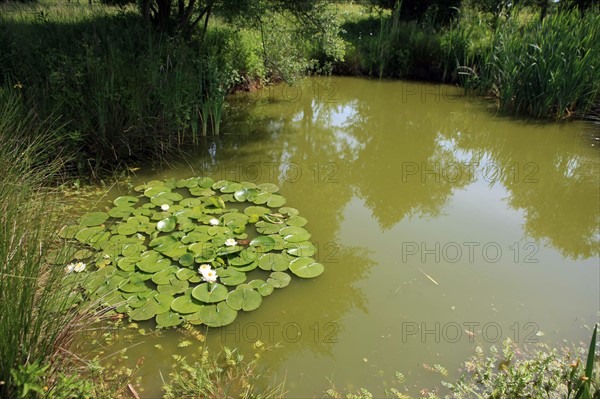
pixel 540 69
pixel 125 93
pixel 37 322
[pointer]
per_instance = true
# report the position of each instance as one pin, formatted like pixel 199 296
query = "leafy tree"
pixel 184 16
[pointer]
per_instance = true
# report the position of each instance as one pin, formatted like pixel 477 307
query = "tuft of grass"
pixel 223 375
pixel 542 69
pixel 37 319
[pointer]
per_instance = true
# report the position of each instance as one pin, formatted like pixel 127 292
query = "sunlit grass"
pixel 37 322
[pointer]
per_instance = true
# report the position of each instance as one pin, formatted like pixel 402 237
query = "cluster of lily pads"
pixel 192 250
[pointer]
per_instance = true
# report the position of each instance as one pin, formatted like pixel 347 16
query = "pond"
pixel 442 227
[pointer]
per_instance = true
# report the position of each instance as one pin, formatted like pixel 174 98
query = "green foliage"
pixel 530 67
pixel 440 11
pixel 220 376
pixel 536 68
pixel 180 252
pixel 541 373
pixel 36 315
pixel 388 46
pixel 124 93
pixel 36 381
pixel 544 374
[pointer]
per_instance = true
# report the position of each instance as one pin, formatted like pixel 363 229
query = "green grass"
pixel 544 70
pixel 37 322
pixel 126 94
pixel 223 375
pixel 536 372
pixel 540 70
pixel 383 45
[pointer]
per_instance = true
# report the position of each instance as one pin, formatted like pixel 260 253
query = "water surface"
pixel 442 227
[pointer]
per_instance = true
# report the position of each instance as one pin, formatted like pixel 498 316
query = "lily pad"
pixel 210 292
pixel 245 299
pixel 121 212
pixel 166 198
pixel 93 219
pixel 303 248
pixel 165 275
pixel 263 243
pixel 268 228
pixel 163 243
pixel 143 253
pixel 286 210
pixel 294 234
pixel 185 274
pixel 273 261
pixel 153 263
pixel 246 194
pixel 296 221
pixel 262 287
pixel 127 229
pixel 186 304
pixel 186 259
pixel 218 315
pixel 167 224
pixel 168 319
pixel 231 277
pixel 92 235
pixel 256 210
pixel 306 267
pixel 268 187
pixel 145 312
pixel 126 200
pixel 154 191
pixel 279 279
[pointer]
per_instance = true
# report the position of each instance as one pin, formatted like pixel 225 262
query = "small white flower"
pixel 214 222
pixel 69 268
pixel 140 236
pixel 230 242
pixel 165 207
pixel 106 256
pixel 161 225
pixel 209 276
pixel 79 267
pixel 204 268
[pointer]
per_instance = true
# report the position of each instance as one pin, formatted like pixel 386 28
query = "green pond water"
pixel 442 227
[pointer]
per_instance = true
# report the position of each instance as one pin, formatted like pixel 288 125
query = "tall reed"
pixel 547 69
pixel 37 321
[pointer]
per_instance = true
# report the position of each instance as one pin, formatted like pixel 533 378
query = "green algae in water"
pixel 181 250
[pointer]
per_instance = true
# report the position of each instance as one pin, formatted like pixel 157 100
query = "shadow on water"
pixel 375 166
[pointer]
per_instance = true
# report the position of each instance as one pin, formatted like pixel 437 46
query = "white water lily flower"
pixel 230 242
pixel 165 207
pixel 214 222
pixel 204 268
pixel 161 224
pixel 70 267
pixel 79 267
pixel 209 276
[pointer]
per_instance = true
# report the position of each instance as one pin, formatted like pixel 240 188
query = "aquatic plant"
pixel 531 68
pixel 185 250
pixel 37 320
